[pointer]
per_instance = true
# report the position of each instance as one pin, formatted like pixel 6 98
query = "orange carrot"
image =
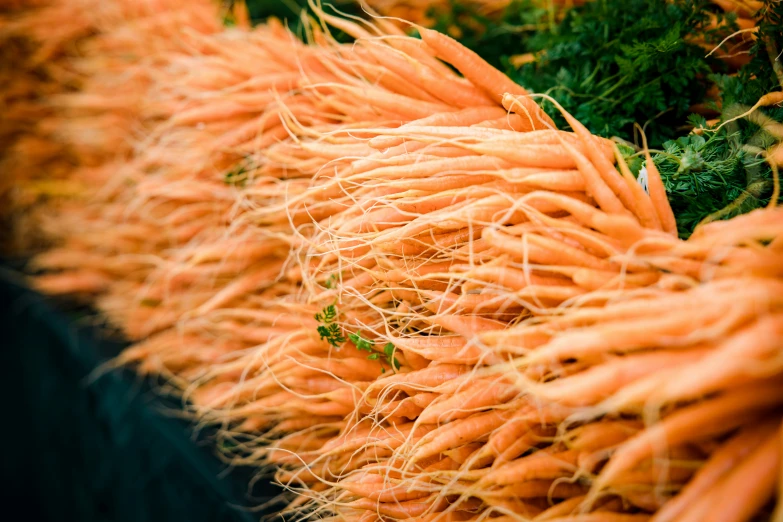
pixel 701 420
pixel 482 75
pixel 432 376
pixel 641 204
pixel 460 432
pixel 658 194
pixel 749 485
pixel 464 117
pixel 401 510
pixel 721 462
pixel 465 403
pixel 600 381
pixel 540 465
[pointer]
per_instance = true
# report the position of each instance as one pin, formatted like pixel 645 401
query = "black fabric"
pixel 100 450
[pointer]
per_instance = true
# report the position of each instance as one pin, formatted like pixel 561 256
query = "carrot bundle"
pixel 407 292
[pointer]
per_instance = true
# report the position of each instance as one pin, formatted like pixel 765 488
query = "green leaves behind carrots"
pixel 611 63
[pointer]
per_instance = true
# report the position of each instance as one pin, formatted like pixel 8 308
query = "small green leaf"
pixel 388 349
pixel 373 356
pixel 236 176
pixel 360 342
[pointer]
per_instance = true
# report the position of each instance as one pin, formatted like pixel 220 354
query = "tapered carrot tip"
pixel 483 75
pixel 524 106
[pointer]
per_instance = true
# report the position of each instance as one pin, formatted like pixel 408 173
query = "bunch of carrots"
pixel 399 287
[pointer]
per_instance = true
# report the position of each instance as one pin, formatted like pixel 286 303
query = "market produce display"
pixel 403 283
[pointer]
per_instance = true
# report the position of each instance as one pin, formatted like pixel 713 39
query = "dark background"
pixel 102 449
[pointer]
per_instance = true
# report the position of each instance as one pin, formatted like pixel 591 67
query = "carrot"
pixel 450 516
pixel 73 282
pixel 749 485
pixel 465 403
pixel 517 448
pixel 448 350
pixel 723 461
pixel 347 26
pixel 439 166
pixel 408 108
pixel 557 181
pixel 378 488
pixel 598 382
pixel 539 465
pixel 638 334
pixel 658 193
pixel 640 203
pixel 521 338
pixel 538 488
pixel 701 420
pixel 597 187
pixel 542 156
pixel 454 93
pixel 399 408
pixel 524 509
pixel 600 435
pixel 445 302
pixel 430 377
pixel 483 75
pixel 562 509
pixel 603 167
pixel 753 343
pixel 401 510
pixel 464 117
pixel 537 249
pixel 591 279
pixel 464 325
pixel 511 121
pixel 457 433
pixel 387 74
pixel 771 98
pixel 510 278
pixel 601 517
pixel 619 227
pixel 390 137
pixel 527 424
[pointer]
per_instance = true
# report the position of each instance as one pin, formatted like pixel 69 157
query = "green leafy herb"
pixel 329 330
pixel 327 315
pixel 331 281
pixel 388 350
pixel 616 62
pixel 332 333
pixel 632 158
pixel 712 176
pixel 360 342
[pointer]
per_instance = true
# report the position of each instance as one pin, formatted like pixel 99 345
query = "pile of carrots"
pixel 399 287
